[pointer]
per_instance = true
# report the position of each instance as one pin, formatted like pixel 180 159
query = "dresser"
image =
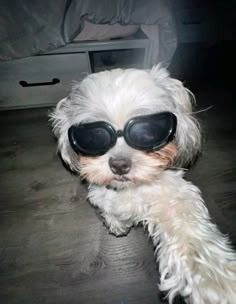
pixel 44 79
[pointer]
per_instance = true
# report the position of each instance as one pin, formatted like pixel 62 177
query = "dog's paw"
pixel 116 227
pixel 119 231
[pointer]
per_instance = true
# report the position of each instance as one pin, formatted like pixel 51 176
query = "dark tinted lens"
pixel 90 140
pixel 151 132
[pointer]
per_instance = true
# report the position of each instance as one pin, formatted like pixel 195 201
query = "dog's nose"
pixel 120 166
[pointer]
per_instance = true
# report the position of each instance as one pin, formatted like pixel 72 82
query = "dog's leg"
pixel 195 259
pixel 115 216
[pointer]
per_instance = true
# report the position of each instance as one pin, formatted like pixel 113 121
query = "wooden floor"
pixel 53 247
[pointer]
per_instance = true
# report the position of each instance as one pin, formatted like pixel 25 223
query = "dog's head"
pixel 143 106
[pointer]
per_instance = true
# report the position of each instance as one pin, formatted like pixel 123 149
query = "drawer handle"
pixel 191 22
pixel 36 84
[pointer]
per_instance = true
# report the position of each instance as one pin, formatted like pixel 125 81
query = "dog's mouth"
pixel 119 182
pixel 121 178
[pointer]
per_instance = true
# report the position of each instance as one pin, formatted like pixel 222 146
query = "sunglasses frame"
pixel 114 134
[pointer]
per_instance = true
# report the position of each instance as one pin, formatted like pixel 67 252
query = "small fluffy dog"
pixel 127 132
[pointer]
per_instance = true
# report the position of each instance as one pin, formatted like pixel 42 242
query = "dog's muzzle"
pixel 145 133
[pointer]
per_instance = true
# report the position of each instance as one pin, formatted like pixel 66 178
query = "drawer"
pixel 192 16
pixel 192 25
pixel 39 80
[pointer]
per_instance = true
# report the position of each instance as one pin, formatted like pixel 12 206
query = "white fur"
pixel 195 259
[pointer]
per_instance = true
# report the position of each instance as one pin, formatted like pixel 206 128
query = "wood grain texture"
pixel 53 247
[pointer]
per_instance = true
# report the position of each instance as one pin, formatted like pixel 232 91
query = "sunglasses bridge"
pixel 120 133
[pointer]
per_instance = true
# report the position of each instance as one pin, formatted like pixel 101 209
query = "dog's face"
pixel 116 97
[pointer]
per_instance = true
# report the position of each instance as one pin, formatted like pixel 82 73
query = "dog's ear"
pixel 180 95
pixel 61 118
pixel 188 136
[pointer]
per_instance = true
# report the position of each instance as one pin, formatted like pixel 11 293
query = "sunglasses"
pixel 145 133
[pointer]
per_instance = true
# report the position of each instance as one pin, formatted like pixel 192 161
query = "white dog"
pixel 127 132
